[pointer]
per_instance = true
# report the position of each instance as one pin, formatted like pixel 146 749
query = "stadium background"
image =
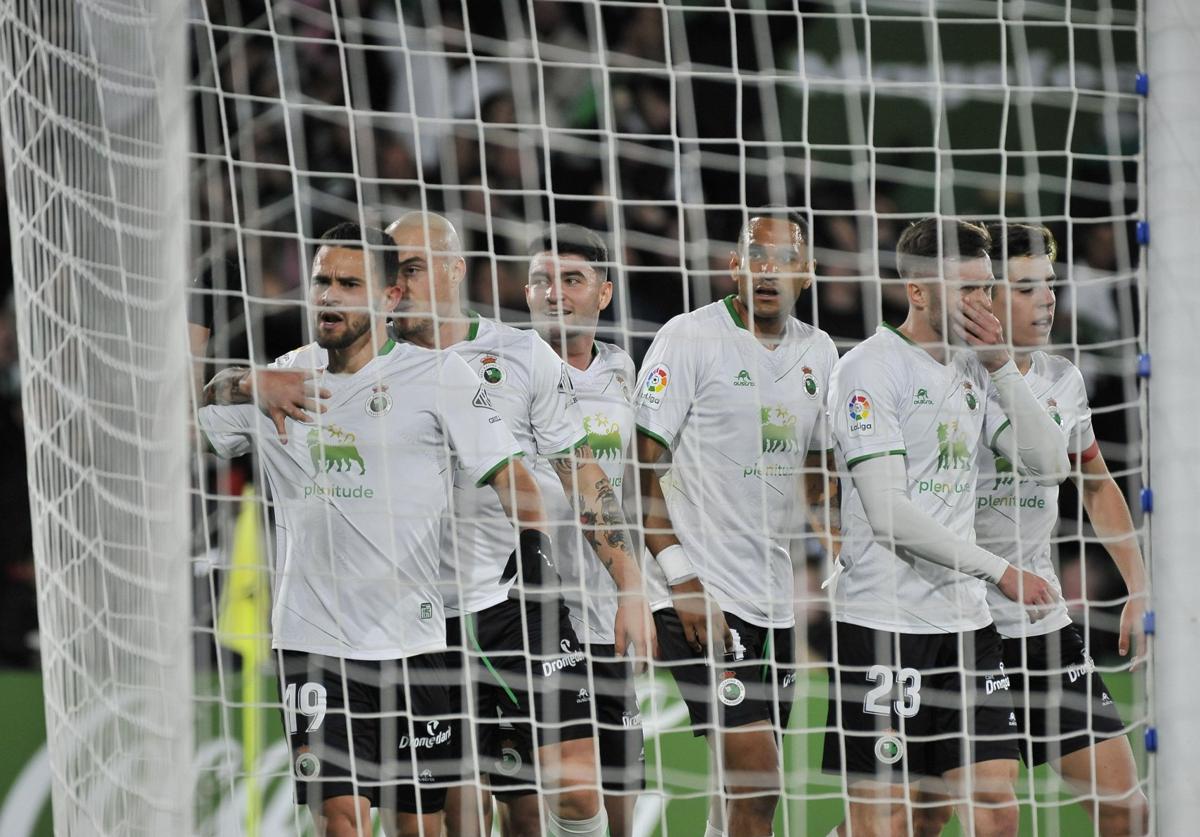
pixel 660 161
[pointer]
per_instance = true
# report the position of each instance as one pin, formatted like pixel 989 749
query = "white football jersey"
pixel 360 494
pixel 739 420
pixel 890 397
pixel 529 385
pixel 605 391
pixel 1014 517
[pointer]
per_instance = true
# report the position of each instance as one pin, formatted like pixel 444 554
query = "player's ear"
pixel 458 270
pixel 392 294
pixel 808 272
pixel 606 291
pixel 735 262
pixel 918 295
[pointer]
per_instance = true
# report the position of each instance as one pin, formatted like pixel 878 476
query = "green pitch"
pixel 676 761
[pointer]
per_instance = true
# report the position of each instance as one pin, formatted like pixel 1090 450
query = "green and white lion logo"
pixel 340 455
pixel 604 436
pixel 778 430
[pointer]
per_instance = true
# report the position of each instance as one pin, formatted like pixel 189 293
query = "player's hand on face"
pixel 976 326
pixel 1037 594
pixel 635 627
pixel 1131 625
pixel 698 613
pixel 288 393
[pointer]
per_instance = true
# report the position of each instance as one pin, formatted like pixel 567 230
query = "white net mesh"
pixel 657 124
pixel 93 140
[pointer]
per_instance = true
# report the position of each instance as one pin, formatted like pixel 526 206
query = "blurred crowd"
pixel 505 114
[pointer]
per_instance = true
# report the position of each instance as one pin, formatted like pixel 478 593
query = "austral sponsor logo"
pixel 569 659
pixel 742 379
pixel 436 734
pixel 921 398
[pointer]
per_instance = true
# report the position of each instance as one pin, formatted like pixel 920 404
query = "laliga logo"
pixel 656 384
pixel 859 408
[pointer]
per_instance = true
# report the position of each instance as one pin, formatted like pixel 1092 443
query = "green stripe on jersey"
pixel 850 463
pixel 495 469
pixel 653 436
pixel 733 312
pixel 996 435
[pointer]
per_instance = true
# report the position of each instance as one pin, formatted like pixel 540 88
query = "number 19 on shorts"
pixel 311 706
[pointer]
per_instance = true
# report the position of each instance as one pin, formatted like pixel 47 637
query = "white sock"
pixel 596 826
pixel 711 830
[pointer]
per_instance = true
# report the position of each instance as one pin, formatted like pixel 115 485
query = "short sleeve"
pixel 667 385
pixel 864 409
pixel 554 413
pixel 229 429
pixel 1081 439
pixel 821 438
pixel 476 432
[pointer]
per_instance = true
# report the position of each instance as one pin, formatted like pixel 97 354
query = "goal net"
pixel 658 125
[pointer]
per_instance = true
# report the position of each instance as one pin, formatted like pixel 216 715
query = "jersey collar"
pixel 387 347
pixel 733 313
pixel 473 328
pixel 898 333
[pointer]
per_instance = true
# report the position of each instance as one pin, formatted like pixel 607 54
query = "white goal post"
pixel 1173 200
pixel 95 139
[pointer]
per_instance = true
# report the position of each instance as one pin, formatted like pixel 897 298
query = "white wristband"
pixel 675 565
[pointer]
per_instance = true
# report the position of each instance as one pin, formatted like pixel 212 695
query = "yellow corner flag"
pixel 242 626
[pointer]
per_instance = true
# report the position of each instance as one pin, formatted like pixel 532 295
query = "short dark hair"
pixel 924 243
pixel 777 213
pixel 574 240
pixel 1011 240
pixel 381 250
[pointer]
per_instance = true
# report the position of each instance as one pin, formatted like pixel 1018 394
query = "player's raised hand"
pixel 1037 594
pixel 697 613
pixel 978 327
pixel 286 393
pixel 635 627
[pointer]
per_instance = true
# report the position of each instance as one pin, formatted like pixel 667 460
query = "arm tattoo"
pixel 223 388
pixel 614 519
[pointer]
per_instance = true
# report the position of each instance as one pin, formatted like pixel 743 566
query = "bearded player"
pixel 358 621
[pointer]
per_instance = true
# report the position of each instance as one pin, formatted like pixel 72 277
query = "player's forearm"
pixel 603 523
pixel 1109 513
pixel 657 529
pixel 904 528
pixel 520 496
pixel 1033 440
pixel 229 386
pixel 821 495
